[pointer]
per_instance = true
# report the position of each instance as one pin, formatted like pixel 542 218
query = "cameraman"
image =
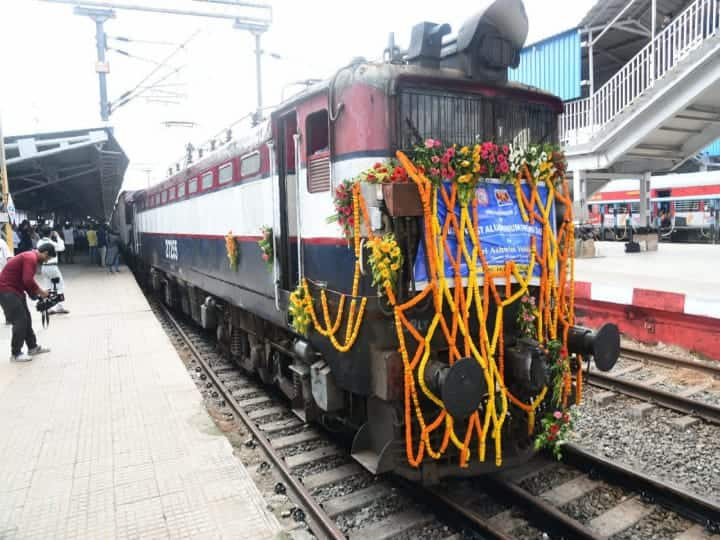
pixel 51 269
pixel 16 279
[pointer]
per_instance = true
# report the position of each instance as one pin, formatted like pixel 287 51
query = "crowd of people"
pixel 47 247
pixel 99 241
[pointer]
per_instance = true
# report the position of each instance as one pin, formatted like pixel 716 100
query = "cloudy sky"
pixel 49 82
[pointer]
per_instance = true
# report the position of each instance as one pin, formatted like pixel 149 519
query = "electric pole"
pixel 99 16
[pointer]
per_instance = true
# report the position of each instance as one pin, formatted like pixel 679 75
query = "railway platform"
pixel 107 436
pixel 671 295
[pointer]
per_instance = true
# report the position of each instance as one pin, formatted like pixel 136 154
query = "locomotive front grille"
pixel 463 117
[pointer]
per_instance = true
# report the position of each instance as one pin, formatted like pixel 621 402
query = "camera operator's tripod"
pixel 45 304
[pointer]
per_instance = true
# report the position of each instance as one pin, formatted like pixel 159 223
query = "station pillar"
pixel 645 213
pixel 580 196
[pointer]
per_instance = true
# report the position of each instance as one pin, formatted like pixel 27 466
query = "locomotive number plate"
pixel 171 250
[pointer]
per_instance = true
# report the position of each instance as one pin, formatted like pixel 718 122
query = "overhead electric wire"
pixel 128 96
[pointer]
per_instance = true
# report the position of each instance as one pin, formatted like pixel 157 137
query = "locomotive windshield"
pixel 467 117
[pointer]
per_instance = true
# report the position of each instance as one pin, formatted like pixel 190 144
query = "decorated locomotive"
pixel 393 249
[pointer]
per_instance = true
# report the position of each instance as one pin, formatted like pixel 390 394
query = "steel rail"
pixel 668 494
pixel 540 511
pixel 479 522
pixel 632 353
pixel 319 521
pixel 675 402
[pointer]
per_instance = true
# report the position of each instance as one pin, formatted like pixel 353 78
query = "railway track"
pixel 585 497
pixel 688 400
pixel 338 499
pixel 332 494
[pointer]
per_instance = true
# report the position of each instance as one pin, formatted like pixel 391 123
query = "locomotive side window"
pixel 171 193
pixel 318 152
pixel 181 190
pixel 193 185
pixel 250 164
pixel 207 180
pixel 163 196
pixel 226 173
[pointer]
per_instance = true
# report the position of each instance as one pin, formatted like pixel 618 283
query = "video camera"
pixel 44 305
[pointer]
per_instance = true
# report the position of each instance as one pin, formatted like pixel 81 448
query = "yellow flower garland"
pixel 555 309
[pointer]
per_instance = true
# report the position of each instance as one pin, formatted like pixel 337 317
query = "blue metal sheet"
pixel 713 149
pixel 553 65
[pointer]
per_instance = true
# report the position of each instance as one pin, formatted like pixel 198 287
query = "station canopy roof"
pixel 630 33
pixel 74 173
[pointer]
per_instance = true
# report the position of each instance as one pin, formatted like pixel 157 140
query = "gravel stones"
pixel 652 445
pixel 594 503
pixel 548 479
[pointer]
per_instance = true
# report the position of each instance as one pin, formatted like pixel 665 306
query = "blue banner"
pixel 503 234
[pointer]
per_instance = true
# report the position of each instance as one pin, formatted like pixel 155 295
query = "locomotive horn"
pixel 461 386
pixel 603 345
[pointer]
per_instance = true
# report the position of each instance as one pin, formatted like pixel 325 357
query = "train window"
pixel 181 190
pixel 192 186
pixel 226 173
pixel 635 207
pixel 687 206
pixel 318 155
pixel 250 164
pixel 163 196
pixel 171 193
pixel 207 180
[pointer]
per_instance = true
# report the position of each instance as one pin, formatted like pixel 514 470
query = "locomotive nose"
pixel 461 386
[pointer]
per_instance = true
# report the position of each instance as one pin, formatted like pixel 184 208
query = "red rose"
pixel 371 178
pixel 377 166
pixel 554 429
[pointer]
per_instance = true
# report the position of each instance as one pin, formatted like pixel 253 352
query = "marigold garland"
pixel 385 261
pixel 231 249
pixel 300 310
pixel 266 246
pixel 549 320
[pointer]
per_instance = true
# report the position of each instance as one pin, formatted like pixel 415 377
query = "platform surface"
pixel 107 436
pixel 679 277
pixel 682 268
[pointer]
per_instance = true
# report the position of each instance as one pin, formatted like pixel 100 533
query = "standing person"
pixel 16 237
pixel 25 233
pixel 51 269
pixel 92 243
pixel 102 243
pixel 34 237
pixel 113 252
pixel 69 238
pixel 16 279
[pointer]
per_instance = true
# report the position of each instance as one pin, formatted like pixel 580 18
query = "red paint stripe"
pixel 250 238
pixel 583 289
pixel 659 300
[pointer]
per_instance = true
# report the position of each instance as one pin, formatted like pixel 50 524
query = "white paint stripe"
pixel 611 293
pixel 706 307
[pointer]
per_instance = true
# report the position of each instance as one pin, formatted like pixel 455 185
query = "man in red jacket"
pixel 16 279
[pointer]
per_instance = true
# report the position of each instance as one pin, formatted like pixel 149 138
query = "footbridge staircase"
pixel 659 110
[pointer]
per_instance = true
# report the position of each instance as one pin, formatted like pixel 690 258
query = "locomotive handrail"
pixel 362 259
pixel 276 281
pixel 298 206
